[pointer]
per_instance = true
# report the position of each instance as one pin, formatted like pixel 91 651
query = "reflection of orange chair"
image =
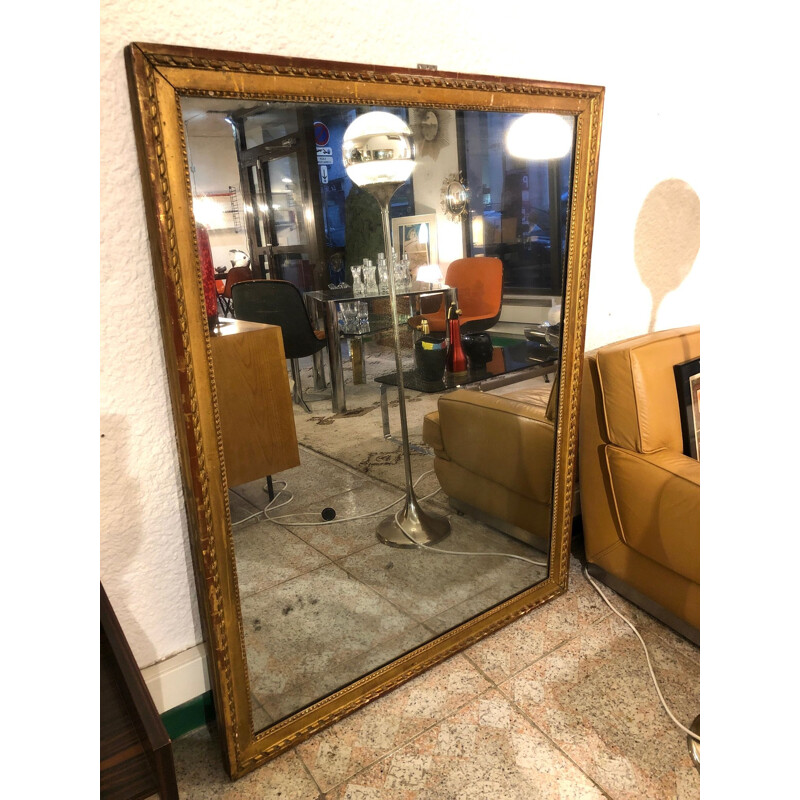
pixel 479 282
pixel 233 276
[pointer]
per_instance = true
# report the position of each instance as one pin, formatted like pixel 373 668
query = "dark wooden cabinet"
pixel 135 749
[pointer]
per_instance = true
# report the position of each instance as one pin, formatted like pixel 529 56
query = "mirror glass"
pixel 323 601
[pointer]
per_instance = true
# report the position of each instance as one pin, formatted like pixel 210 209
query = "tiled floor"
pixel 559 704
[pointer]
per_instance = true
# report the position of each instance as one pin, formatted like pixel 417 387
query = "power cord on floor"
pixel 686 730
pixel 269 505
pixel 464 553
pixel 282 519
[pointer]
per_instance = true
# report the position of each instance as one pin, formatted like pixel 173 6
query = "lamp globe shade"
pixel 378 148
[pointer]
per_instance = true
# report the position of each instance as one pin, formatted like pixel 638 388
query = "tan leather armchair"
pixel 640 495
pixel 493 456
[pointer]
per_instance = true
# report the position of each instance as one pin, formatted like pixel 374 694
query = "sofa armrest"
pixel 499 438
pixel 657 500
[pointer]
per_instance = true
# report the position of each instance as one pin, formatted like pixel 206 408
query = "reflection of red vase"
pixel 456 359
pixel 209 278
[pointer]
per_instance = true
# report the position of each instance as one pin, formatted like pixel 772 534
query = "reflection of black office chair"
pixel 280 303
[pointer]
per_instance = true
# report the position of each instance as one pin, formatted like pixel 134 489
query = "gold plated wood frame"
pixel 159 75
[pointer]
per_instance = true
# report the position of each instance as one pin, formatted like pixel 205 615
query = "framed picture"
pixel 417 237
pixel 687 382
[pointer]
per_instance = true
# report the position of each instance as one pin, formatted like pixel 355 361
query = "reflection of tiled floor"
pixel 323 605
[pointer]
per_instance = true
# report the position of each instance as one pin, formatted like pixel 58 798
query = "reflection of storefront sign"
pixel 323 174
pixel 321 134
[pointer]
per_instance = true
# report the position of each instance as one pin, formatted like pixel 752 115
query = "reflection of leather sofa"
pixel 640 495
pixel 493 456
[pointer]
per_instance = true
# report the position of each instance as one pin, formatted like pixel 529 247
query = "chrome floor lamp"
pixel 378 154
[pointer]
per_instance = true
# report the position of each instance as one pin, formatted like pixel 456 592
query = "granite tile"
pixel 487 749
pixel 296 633
pixel 542 630
pixel 317 476
pixel 201 775
pixel 595 699
pixel 342 538
pixel 337 753
pixel 267 554
pixel 242 509
pixel 426 584
pixel 340 674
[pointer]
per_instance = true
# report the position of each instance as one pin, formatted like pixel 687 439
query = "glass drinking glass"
pixel 363 316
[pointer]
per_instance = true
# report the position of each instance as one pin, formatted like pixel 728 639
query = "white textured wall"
pixel 650 69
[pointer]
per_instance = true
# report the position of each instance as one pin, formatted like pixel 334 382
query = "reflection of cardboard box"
pixel 510 229
pixel 491 231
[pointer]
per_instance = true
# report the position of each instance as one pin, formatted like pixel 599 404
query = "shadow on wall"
pixel 667 239
pixel 120 531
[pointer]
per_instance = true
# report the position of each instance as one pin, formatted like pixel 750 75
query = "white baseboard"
pixel 178 679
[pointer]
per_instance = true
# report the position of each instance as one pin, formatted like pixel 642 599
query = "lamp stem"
pixel 387 243
pixel 412 526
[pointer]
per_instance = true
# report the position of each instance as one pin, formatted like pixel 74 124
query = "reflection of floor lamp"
pixel 378 153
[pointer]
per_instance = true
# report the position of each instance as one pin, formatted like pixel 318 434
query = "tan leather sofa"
pixel 640 495
pixel 493 456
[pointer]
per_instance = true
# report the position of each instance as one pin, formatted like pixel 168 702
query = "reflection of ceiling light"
pixel 423 235
pixel 207 212
pixel 287 180
pixel 539 137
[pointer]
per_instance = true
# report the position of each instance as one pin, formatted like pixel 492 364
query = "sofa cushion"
pixel 657 499
pixel 638 385
pixel 498 437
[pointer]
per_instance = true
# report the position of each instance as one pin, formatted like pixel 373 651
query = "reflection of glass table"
pixel 322 308
pixel 510 364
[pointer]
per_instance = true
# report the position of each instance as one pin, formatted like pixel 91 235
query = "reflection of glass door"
pixel 290 245
pixel 281 202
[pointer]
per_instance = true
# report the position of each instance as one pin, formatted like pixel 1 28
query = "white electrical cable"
pixel 694 735
pixel 268 506
pixel 281 519
pixel 465 553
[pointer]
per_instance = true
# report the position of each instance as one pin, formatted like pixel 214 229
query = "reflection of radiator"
pixel 522 310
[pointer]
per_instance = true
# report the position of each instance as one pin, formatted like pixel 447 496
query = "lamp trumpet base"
pixel 413 527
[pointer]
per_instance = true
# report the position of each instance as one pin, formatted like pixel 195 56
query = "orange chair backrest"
pixel 234 275
pixel 480 285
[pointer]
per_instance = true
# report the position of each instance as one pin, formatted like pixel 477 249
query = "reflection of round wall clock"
pixel 455 197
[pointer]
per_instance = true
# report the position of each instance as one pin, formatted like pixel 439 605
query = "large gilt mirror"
pixel 308 613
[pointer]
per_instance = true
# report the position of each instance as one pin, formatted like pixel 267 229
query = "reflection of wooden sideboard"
pixel 255 402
